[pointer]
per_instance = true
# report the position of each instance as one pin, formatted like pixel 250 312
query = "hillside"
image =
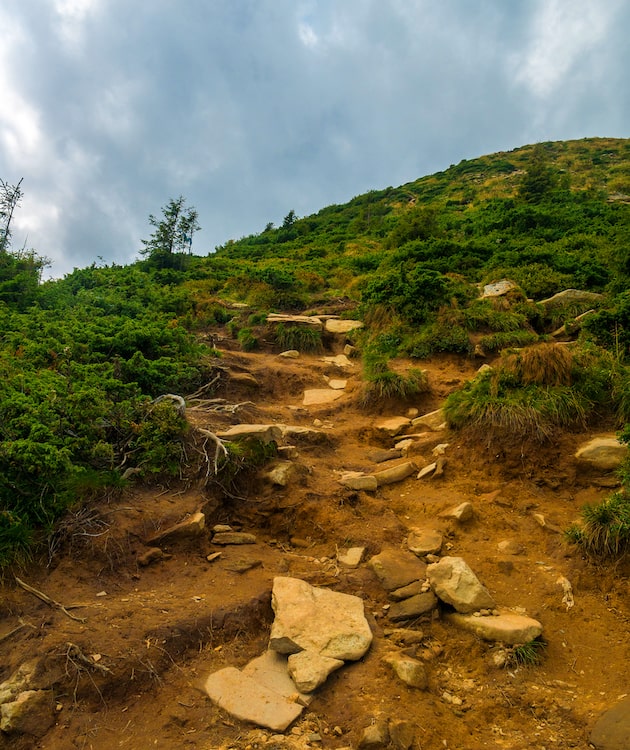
pixel 121 391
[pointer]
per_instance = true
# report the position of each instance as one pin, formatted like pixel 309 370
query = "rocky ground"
pixel 160 610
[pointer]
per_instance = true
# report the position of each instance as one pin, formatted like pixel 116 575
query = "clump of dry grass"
pixel 543 364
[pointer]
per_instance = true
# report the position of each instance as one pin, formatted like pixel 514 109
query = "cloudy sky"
pixel 251 108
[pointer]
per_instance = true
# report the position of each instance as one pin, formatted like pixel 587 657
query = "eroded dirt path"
pixel 160 630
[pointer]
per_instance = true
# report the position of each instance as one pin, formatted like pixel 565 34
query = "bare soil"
pixel 160 630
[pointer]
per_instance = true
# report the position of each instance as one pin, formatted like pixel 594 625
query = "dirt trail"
pixel 160 630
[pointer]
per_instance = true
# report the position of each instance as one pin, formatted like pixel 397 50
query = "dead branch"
pixel 74 654
pixel 205 389
pixel 181 404
pixel 47 600
pixel 223 407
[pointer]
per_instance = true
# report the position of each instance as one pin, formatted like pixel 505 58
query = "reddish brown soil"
pixel 160 630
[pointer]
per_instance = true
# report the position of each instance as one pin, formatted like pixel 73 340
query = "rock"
pixel 266 433
pixel 604 453
pixel 233 537
pixel 498 288
pixel 462 512
pixel 375 736
pixel 349 350
pixel 393 426
pixel 244 378
pixel 510 547
pixel 424 542
pixel 507 628
pixel 340 360
pixel 404 445
pixel 270 669
pixel 572 297
pixel 153 554
pixel 327 622
pixel 303 434
pixel 309 321
pixel 248 700
pixel 320 396
pixel 280 473
pixel 337 384
pixel 395 568
pixel 335 325
pixel 411 589
pixel 415 606
pixel 352 557
pixel 401 734
pixel 454 583
pixel 427 471
pixel 612 729
pixel 241 566
pixel 290 354
pixel 395 473
pixel 380 455
pixel 193 526
pixel 309 669
pixel 434 420
pixel 411 671
pixel 354 481
pixel 30 713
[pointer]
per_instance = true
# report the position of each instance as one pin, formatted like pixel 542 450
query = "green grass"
pixel 302 338
pixel 604 529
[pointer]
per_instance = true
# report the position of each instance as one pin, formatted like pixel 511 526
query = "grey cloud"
pixel 252 107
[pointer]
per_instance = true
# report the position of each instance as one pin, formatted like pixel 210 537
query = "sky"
pixel 252 108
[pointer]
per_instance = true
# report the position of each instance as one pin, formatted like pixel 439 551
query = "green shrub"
pixel 438 337
pixel 504 340
pixel 247 340
pixel 604 529
pixel 382 383
pixel 526 654
pixel 302 338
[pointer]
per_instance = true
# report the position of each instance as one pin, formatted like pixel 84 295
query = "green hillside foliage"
pixel 83 358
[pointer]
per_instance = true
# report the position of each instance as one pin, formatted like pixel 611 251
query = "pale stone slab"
pixel 309 669
pixel 352 557
pixel 246 699
pixel 396 568
pixel 454 583
pixel 462 512
pixel 233 537
pixel 507 628
pixel 318 396
pixel 328 622
pixel 359 482
pixel 424 542
pixel 340 360
pixel 434 420
pixel 310 321
pixel 191 527
pixel 334 325
pixel 395 473
pixel 498 288
pixel 290 354
pixel 337 384
pixel 263 432
pixel 271 670
pixel 427 471
pixel 605 453
pixel 394 425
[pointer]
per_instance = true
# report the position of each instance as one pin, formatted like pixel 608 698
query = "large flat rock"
pixel 612 729
pixel 605 453
pixel 248 700
pixel 319 396
pixel 271 670
pixel 317 619
pixel 266 433
pixel 507 627
pixel 395 568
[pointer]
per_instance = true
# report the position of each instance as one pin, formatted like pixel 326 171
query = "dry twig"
pixel 47 600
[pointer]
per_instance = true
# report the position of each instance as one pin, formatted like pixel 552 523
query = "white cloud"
pixel 563 32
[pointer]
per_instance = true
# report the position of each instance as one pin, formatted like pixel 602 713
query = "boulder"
pixel 507 628
pixel 572 297
pixel 248 700
pixel 454 583
pixel 30 713
pixel 280 473
pixel 498 288
pixel 308 618
pixel 612 729
pixel 396 568
pixel 604 453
